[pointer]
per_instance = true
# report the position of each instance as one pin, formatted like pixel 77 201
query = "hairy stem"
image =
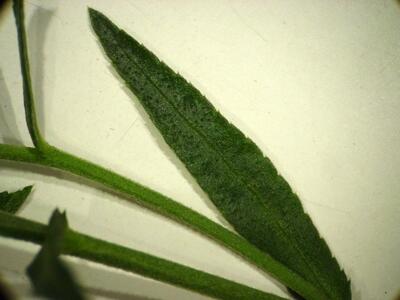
pixel 86 247
pixel 134 192
pixel 29 103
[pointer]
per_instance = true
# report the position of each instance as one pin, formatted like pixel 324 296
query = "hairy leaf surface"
pixel 231 169
pixel 11 202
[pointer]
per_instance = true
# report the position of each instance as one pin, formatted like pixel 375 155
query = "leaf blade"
pixel 49 275
pixel 12 202
pixel 242 183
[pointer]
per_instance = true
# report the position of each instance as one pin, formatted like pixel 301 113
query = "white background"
pixel 315 84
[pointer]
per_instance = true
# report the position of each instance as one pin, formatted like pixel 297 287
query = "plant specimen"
pixel 274 233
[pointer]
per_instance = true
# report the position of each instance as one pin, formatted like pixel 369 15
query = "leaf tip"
pixel 28 188
pixel 60 217
pixel 94 14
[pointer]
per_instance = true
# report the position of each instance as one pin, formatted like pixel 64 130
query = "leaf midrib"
pixel 232 171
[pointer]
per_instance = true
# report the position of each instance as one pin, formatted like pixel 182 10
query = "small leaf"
pixel 11 202
pixel 242 183
pixel 49 275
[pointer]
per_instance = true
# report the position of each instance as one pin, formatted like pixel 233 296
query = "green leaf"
pixel 48 274
pixel 242 183
pixel 11 202
pixel 30 114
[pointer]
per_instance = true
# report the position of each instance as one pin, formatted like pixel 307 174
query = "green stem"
pixel 134 192
pixel 86 247
pixel 30 113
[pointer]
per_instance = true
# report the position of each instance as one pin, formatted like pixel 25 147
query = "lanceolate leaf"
pixel 11 202
pixel 242 183
pixel 49 276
